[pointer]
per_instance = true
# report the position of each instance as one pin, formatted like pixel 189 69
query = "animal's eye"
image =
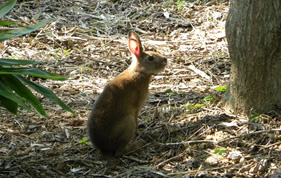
pixel 150 58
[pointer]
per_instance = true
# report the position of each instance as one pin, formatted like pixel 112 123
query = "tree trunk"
pixel 253 31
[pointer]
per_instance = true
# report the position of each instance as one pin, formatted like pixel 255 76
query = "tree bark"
pixel 253 31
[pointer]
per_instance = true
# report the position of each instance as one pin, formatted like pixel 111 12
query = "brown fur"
pixel 114 119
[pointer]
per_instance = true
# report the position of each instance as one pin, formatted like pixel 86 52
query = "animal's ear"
pixel 135 44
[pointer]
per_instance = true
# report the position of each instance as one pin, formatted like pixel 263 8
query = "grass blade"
pixel 6 23
pixel 45 92
pixel 32 72
pixel 7 7
pixel 8 93
pixel 9 104
pixel 14 84
pixel 22 31
pixel 11 62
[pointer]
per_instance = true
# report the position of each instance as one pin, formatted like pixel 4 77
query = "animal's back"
pixel 113 115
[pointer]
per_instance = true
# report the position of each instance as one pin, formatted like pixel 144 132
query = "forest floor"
pixel 188 133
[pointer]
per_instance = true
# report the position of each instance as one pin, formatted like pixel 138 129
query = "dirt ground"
pixel 188 133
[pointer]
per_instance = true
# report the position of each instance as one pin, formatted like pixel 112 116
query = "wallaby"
pixel 113 121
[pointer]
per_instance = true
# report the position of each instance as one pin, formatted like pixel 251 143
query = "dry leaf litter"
pixel 186 134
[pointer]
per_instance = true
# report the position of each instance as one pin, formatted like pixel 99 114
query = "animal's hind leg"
pixel 127 131
pixel 130 147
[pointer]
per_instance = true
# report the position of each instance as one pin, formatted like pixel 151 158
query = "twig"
pixel 167 160
pixel 187 142
pixel 249 134
pixel 218 142
pixel 136 160
pixel 199 72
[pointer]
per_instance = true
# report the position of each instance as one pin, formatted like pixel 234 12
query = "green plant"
pixel 171 91
pixel 220 151
pixel 197 106
pixel 209 98
pixel 64 52
pixel 221 88
pixel 14 87
pixel 180 4
pixel 255 117
pixel 193 107
pixel 84 141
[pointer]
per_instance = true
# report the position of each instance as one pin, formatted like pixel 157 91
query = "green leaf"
pixel 208 98
pixel 220 151
pixel 32 72
pixel 84 141
pixel 189 106
pixel 7 7
pixel 170 91
pixel 36 17
pixel 14 84
pixel 255 116
pixel 194 106
pixel 198 105
pixel 221 88
pixel 22 31
pixel 45 92
pixel 9 104
pixel 8 93
pixel 6 23
pixel 11 62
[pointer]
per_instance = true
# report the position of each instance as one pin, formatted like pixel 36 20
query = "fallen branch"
pixel 249 134
pixel 187 142
pixel 199 72
pixel 136 160
pixel 218 142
